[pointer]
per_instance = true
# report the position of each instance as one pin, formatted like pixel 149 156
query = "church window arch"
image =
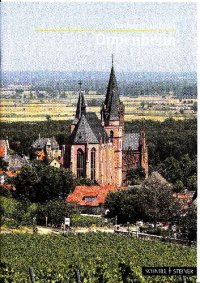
pixel 80 164
pixel 93 164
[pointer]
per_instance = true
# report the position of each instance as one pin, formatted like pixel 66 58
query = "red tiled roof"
pixel 183 196
pixel 99 194
pixel 8 186
pixel 8 173
pixel 3 148
pixel 2 151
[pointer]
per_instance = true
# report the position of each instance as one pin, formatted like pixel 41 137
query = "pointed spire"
pixel 81 107
pixel 112 102
pixel 112 86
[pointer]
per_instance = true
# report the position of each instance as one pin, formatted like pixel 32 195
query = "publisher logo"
pixel 184 271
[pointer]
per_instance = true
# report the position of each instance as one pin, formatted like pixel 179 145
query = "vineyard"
pixel 99 257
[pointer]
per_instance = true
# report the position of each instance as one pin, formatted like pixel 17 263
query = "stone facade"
pixel 99 149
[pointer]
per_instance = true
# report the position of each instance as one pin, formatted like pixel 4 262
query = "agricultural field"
pixel 150 108
pixel 99 257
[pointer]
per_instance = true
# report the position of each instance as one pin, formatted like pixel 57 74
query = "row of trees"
pixel 153 201
pixel 38 183
pixel 165 139
pixel 16 213
pixel 172 144
pixel 172 150
pixel 182 173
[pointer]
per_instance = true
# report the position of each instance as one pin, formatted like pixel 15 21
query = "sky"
pixel 26 49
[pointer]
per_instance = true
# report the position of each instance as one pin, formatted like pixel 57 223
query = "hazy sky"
pixel 23 48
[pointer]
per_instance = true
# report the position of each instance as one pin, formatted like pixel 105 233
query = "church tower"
pixel 112 119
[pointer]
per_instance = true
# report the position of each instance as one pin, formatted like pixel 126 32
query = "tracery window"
pixel 93 164
pixel 111 136
pixel 80 164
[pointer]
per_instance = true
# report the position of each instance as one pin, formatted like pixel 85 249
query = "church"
pixel 99 149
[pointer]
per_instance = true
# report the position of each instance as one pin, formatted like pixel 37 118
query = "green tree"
pixel 192 183
pixel 135 176
pixel 188 224
pixel 3 164
pixel 157 201
pixel 179 186
pixel 8 208
pixel 48 117
pixel 187 168
pixel 55 211
pixel 39 183
pixel 124 205
pixel 181 172
pixel 194 106
pixel 142 104
pixel 171 170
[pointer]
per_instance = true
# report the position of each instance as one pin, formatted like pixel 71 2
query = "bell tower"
pixel 112 119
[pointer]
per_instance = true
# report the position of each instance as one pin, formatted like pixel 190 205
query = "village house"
pixel 14 161
pixel 46 149
pixel 91 198
pixel 4 179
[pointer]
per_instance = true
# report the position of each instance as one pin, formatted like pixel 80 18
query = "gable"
pixel 83 133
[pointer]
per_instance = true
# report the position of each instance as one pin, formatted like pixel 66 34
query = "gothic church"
pixel 99 149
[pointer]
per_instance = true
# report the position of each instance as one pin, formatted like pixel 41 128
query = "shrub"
pixel 78 220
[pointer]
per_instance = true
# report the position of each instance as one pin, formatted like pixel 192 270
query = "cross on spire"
pixel 112 59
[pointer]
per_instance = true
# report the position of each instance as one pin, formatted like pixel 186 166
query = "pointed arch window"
pixel 80 164
pixel 93 164
pixel 111 136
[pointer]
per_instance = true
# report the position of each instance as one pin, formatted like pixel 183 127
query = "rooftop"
pixel 90 195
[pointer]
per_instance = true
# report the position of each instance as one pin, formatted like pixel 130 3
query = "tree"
pixel 39 183
pixel 181 172
pixel 188 224
pixel 142 104
pixel 135 176
pixel 124 205
pixel 55 211
pixel 8 208
pixel 187 168
pixel 157 201
pixel 192 183
pixel 171 170
pixel 48 117
pixel 3 164
pixel 194 106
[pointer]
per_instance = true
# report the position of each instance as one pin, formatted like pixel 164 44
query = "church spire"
pixel 81 107
pixel 112 105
